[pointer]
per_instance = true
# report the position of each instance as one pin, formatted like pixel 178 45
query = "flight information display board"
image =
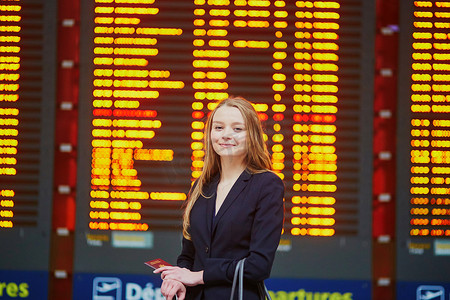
pixel 423 210
pixel 26 131
pixel 150 73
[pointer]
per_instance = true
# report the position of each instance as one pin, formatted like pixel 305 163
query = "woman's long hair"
pixel 257 159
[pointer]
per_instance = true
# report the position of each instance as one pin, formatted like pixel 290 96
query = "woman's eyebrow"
pixel 234 123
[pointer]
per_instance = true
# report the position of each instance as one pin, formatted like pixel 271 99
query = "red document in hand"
pixel 157 263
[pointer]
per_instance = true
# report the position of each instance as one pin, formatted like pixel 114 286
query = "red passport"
pixel 157 263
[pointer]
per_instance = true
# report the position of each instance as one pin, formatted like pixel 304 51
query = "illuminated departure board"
pixel 424 146
pixel 9 133
pixel 298 94
pixel 430 122
pixel 152 71
pixel 26 130
pixel 132 145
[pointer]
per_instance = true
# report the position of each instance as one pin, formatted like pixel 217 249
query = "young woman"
pixel 234 210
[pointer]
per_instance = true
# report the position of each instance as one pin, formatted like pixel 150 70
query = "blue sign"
pixel 23 285
pixel 116 287
pixel 423 290
pixel 141 287
pixel 305 289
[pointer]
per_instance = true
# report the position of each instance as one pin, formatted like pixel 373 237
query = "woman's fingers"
pixel 174 273
pixel 181 294
pixel 171 274
pixel 159 270
pixel 170 288
pixel 165 271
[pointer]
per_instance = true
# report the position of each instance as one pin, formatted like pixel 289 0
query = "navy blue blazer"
pixel 248 224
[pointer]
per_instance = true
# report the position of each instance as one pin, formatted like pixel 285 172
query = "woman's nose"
pixel 228 133
pixel 226 136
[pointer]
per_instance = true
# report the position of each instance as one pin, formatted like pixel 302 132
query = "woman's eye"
pixel 238 129
pixel 217 127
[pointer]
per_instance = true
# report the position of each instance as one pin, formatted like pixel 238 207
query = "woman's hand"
pixel 182 275
pixel 171 288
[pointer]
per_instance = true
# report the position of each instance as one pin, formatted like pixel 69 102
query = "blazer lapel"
pixel 237 188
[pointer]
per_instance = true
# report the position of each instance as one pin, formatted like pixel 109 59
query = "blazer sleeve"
pixel 187 255
pixel 265 236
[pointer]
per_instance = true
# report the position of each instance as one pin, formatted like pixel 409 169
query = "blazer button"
pixel 206 249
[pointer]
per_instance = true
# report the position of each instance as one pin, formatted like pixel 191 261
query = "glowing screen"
pixel 9 111
pixel 430 121
pixel 128 113
pixel 299 109
pixel 26 132
pixel 20 113
pixel 423 203
pixel 159 68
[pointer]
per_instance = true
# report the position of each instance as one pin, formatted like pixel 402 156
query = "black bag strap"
pixel 238 275
pixel 263 292
pixel 238 279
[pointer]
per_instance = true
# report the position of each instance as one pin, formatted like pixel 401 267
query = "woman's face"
pixel 228 133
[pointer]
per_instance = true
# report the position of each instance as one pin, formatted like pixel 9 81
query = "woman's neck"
pixel 231 170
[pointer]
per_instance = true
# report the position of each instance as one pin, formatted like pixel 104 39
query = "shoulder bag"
pixel 238 280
